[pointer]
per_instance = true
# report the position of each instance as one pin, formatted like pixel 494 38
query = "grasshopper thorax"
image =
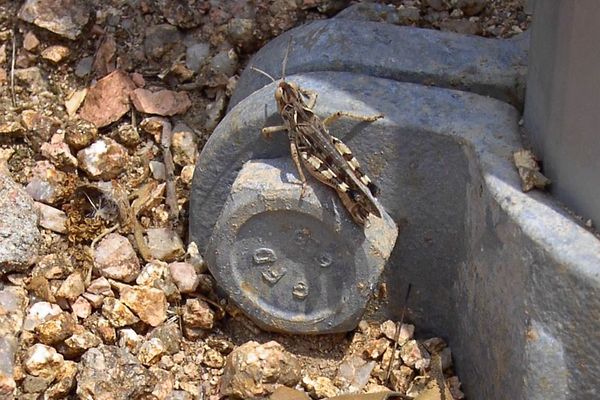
pixel 287 93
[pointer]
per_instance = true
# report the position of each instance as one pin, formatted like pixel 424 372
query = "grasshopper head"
pixel 287 93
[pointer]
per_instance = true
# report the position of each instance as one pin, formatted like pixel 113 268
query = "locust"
pixel 314 149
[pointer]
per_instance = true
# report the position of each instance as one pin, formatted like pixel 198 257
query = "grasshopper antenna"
pixel 260 71
pixel 285 58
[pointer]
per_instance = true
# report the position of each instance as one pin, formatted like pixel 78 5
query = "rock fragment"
pixel 56 53
pixel 353 374
pixel 529 171
pixel 63 17
pixel 196 55
pixel 388 329
pixel 117 313
pixel 112 372
pixel 374 348
pixel 241 32
pixel 150 351
pixel 13 302
pixel 64 381
pixel 55 329
pixel 74 101
pixel 169 334
pixel 213 359
pixel 108 100
pixel 470 7
pixel 40 127
pixel 101 327
pixel 43 361
pixel 319 388
pixel 184 276
pixel 80 134
pixel 183 145
pixel 129 339
pixel 414 355
pixel 51 218
pixel 254 370
pixel 162 40
pixel 163 102
pixel 463 26
pixel 84 67
pixel 100 286
pixel 8 350
pixel 18 227
pixel 156 274
pixel 33 77
pixel 408 15
pixel 225 62
pixel 148 303
pixel 198 314
pixel 105 159
pixel 115 258
pixel 38 313
pixel 81 308
pixel 182 13
pixel 187 174
pixel 401 378
pixel 48 184
pixel 165 244
pixel 71 287
pixel 30 42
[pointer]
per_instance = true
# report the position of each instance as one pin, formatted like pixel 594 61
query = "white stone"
pixel 115 258
pixel 52 218
pixel 41 360
pixel 38 313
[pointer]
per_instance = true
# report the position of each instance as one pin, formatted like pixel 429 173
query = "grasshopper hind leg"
pixel 296 158
pixel 347 114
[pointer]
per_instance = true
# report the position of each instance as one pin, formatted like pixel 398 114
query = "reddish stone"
pixel 163 102
pixel 108 100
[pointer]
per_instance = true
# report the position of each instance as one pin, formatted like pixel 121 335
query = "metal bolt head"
pixel 298 265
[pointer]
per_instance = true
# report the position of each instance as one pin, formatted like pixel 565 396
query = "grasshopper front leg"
pixel 268 131
pixel 339 114
pixel 311 97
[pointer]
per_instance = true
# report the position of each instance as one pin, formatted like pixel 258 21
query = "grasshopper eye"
pixel 278 93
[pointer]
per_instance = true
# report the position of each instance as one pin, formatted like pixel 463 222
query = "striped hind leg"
pixel 347 114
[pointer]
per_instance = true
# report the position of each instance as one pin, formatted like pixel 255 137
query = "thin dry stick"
pixel 438 374
pixel 165 143
pixel 397 335
pixel 12 67
pixel 92 250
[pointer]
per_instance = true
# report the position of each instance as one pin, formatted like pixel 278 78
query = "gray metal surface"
pixel 503 275
pixel 563 96
pixel 510 279
pixel 299 266
pixel 490 67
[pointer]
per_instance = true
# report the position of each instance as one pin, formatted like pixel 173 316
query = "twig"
pixel 12 67
pixel 438 374
pixel 165 143
pixel 134 120
pixel 138 234
pixel 92 249
pixel 397 335
pixel 220 314
pixel 103 234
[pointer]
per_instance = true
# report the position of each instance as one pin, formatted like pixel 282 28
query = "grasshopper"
pixel 324 156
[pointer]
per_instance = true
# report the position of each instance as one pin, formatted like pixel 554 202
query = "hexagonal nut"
pixel 292 264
